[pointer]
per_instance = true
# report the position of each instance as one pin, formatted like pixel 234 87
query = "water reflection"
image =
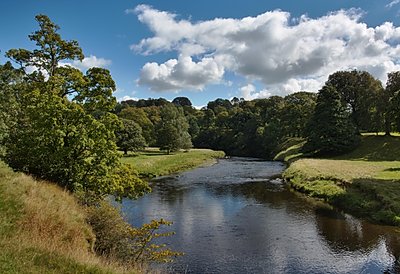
pixel 230 218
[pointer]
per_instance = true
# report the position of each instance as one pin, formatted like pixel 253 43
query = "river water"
pixel 234 217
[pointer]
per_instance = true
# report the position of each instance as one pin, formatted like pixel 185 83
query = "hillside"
pixel 43 229
pixel 365 182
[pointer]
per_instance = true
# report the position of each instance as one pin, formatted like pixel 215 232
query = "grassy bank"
pixel 44 230
pixel 365 182
pixel 152 162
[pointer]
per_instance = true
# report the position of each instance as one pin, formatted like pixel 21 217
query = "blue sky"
pixel 217 49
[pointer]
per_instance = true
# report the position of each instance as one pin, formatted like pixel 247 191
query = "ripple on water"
pixel 238 217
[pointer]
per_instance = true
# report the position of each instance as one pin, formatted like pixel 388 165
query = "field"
pixel 365 182
pixel 152 162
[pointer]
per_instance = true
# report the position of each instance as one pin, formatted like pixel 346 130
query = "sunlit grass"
pixel 44 230
pixel 152 162
pixel 365 181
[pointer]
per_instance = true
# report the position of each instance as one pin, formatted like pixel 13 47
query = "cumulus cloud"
pixel 182 73
pixel 89 62
pixel 393 3
pixel 248 92
pixel 92 61
pixel 285 54
pixel 126 98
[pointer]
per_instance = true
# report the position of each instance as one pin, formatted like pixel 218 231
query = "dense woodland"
pixel 331 120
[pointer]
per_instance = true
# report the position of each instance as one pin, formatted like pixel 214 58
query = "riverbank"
pixel 365 182
pixel 43 229
pixel 152 162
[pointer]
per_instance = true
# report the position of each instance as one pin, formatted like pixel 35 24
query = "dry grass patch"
pixel 44 230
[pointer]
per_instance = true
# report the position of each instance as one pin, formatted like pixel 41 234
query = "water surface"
pixel 236 217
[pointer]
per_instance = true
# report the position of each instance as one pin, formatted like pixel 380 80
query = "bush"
pixel 118 240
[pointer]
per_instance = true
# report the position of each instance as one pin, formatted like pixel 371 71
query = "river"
pixel 236 217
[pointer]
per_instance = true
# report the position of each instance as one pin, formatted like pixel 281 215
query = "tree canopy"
pixel 331 130
pixel 71 142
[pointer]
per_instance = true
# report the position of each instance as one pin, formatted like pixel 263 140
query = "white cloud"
pixel 127 97
pixel 89 62
pixel 249 92
pixel 283 53
pixel 393 3
pixel 182 73
pixel 92 61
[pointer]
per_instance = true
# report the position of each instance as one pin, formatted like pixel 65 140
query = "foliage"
pixel 52 49
pixel 330 130
pixel 360 92
pixel 130 137
pixel 117 239
pixel 297 111
pixel 10 81
pixel 392 102
pixel 68 142
pixel 172 130
pixel 182 101
pixel 139 116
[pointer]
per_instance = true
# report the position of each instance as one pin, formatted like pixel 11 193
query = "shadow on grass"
pixel 394 169
pixel 375 148
pixel 376 200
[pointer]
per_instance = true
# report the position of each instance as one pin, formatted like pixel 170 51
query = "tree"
pixel 68 142
pixel 10 82
pixel 130 137
pixel 172 130
pixel 331 130
pixel 297 112
pixel 359 91
pixel 51 48
pixel 181 102
pixel 391 101
pixel 139 116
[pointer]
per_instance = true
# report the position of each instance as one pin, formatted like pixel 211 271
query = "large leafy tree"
pixel 297 111
pixel 10 83
pixel 130 137
pixel 331 130
pixel 391 102
pixel 182 101
pixel 172 130
pixel 360 93
pixel 71 142
pixel 139 116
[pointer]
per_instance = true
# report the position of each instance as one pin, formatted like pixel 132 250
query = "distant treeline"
pixel 350 102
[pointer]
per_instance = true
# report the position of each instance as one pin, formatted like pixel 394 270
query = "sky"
pixel 212 49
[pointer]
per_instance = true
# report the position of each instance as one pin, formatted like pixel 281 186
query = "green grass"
pixel 34 260
pixel 44 230
pixel 365 181
pixel 152 162
pixel 375 148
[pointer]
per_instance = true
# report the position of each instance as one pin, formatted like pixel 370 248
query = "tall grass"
pixel 44 230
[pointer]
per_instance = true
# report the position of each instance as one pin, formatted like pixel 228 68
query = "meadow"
pixel 365 182
pixel 152 162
